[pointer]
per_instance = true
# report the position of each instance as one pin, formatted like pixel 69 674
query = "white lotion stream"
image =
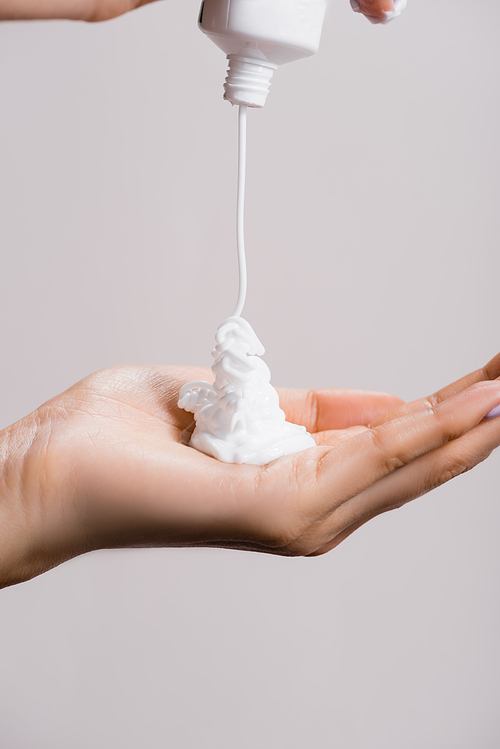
pixel 237 417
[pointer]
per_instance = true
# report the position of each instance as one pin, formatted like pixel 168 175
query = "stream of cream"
pixel 237 417
pixel 240 210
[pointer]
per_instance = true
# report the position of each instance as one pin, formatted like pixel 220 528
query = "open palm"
pixel 116 469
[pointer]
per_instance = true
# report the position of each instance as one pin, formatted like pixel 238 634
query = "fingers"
pixel 491 371
pixel 22 10
pixel 487 373
pixel 103 10
pixel 353 466
pixel 379 11
pixel 334 437
pixel 75 10
pixel 424 474
pixel 317 410
pixel 320 410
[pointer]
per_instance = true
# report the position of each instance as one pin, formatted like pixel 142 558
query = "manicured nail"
pixel 493 413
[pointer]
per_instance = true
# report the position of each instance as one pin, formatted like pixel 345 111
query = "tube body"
pixel 259 35
pixel 276 31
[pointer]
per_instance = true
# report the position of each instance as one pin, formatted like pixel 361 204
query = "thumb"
pixel 379 11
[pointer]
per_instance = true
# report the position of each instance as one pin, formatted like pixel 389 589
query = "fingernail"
pixel 493 413
pixel 355 6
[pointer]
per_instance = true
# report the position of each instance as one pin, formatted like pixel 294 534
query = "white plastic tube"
pixel 259 35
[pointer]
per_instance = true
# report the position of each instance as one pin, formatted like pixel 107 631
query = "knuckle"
pixel 433 401
pixel 434 411
pixel 457 467
pixel 447 429
pixel 388 458
pixel 450 470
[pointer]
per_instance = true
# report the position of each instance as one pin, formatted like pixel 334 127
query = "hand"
pixel 103 10
pixel 379 11
pixel 75 10
pixel 103 465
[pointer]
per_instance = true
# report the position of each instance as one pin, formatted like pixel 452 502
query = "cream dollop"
pixel 238 417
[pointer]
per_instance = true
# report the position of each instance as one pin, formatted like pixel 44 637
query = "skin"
pixel 103 10
pixel 105 465
pixel 375 10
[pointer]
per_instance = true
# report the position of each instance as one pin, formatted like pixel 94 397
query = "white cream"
pixel 238 418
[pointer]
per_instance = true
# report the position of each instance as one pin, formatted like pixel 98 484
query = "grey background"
pixel 372 231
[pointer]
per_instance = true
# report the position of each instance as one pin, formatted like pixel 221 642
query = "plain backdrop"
pixel 373 236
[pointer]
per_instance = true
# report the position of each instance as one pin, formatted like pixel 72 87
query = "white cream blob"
pixel 238 418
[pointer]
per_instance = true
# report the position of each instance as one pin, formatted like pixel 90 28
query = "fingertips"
pixel 493 413
pixel 379 11
pixel 472 405
pixel 492 369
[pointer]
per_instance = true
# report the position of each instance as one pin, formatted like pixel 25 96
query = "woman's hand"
pixel 377 11
pixel 74 10
pixel 105 465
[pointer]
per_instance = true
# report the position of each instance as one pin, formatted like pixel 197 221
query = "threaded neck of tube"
pixel 248 81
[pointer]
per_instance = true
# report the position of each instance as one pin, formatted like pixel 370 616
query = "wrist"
pixel 35 534
pixel 14 512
